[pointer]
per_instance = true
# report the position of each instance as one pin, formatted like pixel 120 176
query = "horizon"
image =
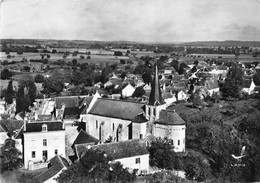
pixel 143 21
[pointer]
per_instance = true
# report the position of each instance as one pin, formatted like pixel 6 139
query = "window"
pixel 44 128
pixel 154 111
pixel 96 124
pixel 33 154
pixel 44 142
pixel 179 142
pixel 171 141
pixel 113 126
pixel 56 151
pixel 141 136
pixel 149 111
pixel 44 155
pixel 137 161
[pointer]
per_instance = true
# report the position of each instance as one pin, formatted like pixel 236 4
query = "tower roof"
pixel 156 95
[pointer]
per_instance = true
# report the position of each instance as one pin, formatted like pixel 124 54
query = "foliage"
pixel 233 83
pixel 11 158
pixel 6 74
pixel 28 83
pixel 163 156
pixel 39 78
pixel 94 166
pixel 118 53
pixel 9 93
pixel 20 99
pixel 52 85
pixel 139 92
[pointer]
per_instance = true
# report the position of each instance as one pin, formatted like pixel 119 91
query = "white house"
pixel 56 166
pixel 181 95
pixel 42 141
pixel 127 90
pixel 248 86
pixel 132 154
pixel 2 106
pixel 211 86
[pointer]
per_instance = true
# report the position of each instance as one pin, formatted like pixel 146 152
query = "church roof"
pixel 156 96
pixel 117 109
pixel 168 117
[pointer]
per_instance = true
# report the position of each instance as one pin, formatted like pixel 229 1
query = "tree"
pixel 162 155
pixel 54 51
pixel 139 92
pixel 74 62
pixel 28 83
pixel 11 158
pixel 26 68
pixel 6 74
pixel 39 78
pixel 122 61
pixel 233 83
pixel 94 167
pixel 118 53
pixel 9 93
pixel 20 99
pixel 52 85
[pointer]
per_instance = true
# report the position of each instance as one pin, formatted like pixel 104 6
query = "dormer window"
pixel 44 128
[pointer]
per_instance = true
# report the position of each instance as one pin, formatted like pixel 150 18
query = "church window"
pixel 179 142
pixel 141 136
pixel 113 126
pixel 56 151
pixel 149 111
pixel 154 111
pixel 96 124
pixel 171 141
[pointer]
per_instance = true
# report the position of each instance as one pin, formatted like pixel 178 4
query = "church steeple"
pixel 155 98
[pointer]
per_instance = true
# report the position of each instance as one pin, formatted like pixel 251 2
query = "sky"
pixel 131 20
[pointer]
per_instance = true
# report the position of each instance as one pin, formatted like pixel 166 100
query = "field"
pixel 241 58
pixel 59 56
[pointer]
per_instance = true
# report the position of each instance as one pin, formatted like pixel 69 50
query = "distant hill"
pixel 222 43
pixel 88 42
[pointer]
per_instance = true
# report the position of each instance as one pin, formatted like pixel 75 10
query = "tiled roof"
pixel 10 126
pixel 37 126
pixel 57 164
pixel 71 113
pixel 69 101
pixel 168 117
pixel 123 149
pixel 83 138
pixel 166 95
pixel 246 83
pixel 139 119
pixel 116 109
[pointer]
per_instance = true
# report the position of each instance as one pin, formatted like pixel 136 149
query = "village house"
pixel 41 142
pixel 211 85
pixel 55 167
pixel 132 154
pixel 248 86
pixel 127 90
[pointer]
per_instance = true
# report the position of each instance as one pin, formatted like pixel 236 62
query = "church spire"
pixel 156 95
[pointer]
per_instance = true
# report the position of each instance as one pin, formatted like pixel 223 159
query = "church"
pixel 125 120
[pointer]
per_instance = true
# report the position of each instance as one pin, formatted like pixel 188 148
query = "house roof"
pixel 83 138
pixel 166 95
pixel 139 119
pixel 11 126
pixel 57 164
pixel 69 101
pixel 71 113
pixel 211 84
pixel 169 117
pixel 116 109
pixel 246 83
pixel 37 126
pixel 123 149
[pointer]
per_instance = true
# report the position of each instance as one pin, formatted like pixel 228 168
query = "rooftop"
pixel 37 126
pixel 117 109
pixel 168 117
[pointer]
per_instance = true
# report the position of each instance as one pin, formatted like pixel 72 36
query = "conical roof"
pixel 156 95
